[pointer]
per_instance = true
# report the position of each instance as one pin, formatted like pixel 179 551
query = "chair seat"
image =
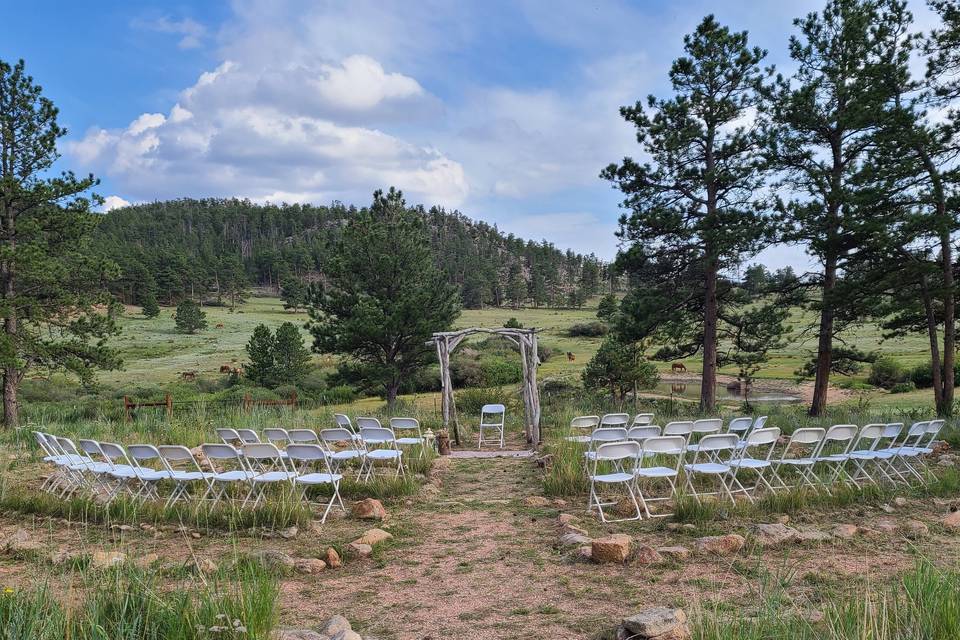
pixel 612 477
pixel 348 454
pixel 750 463
pixel 121 472
pixel 870 455
pixel 274 476
pixel 187 476
pixel 911 452
pixel 409 441
pixel 713 468
pixel 319 478
pixel 798 462
pixel 151 475
pixel 383 454
pixel 656 472
pixel 233 476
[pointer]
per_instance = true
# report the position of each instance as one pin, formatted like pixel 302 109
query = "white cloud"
pixel 113 202
pixel 191 31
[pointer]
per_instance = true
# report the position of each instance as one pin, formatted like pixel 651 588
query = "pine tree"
pixel 385 296
pixel 620 368
pixel 291 357
pixel 51 282
pixel 608 307
pixel 693 209
pixel 293 292
pixel 150 307
pixel 189 318
pixel 262 365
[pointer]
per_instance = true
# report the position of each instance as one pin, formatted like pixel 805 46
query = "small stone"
pixel 368 509
pixel 558 502
pixel 915 529
pixel 784 519
pixel 347 635
pixel 662 623
pixel 586 552
pixel 900 501
pixel 813 535
pixel 574 540
pixel 20 540
pixel 887 508
pixel 885 526
pixel 727 545
pixel 63 556
pixel 107 559
pixel 674 553
pixel 205 565
pixel 360 550
pixel 289 533
pixel 335 625
pixel 373 537
pixel 647 555
pixel 147 559
pixel 333 558
pixel 845 531
pixel 614 548
pixel 570 528
pixel 309 565
pixel 195 535
pixel 536 501
pixel 771 535
pixel 952 521
pixel 565 518
pixel 300 634
pixel 273 559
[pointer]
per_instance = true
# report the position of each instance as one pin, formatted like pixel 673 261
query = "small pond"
pixel 691 391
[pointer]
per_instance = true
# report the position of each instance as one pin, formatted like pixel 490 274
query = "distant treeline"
pixel 215 250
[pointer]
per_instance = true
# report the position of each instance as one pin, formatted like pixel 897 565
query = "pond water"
pixel 691 390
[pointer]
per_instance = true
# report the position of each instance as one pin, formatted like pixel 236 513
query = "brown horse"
pixel 678 366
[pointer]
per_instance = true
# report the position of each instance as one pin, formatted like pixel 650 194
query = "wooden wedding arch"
pixel 526 340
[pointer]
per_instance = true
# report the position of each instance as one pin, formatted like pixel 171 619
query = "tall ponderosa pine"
pixel 291 357
pixel 50 279
pixel 693 212
pixel 828 116
pixel 260 350
pixel 385 296
pixel 189 318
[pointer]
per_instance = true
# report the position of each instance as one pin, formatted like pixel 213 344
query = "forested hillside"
pixel 216 249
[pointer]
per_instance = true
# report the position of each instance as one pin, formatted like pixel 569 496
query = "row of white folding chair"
pixel 718 456
pixel 609 420
pixel 406 430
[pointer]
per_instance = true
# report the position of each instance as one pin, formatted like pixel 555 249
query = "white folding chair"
pixel 410 426
pixel 760 422
pixel 228 470
pixel 174 457
pixel 642 432
pixel 303 436
pixel 610 420
pixel 679 428
pixel 148 477
pixel 78 474
pixel 866 452
pixel 926 446
pixel 269 469
pixel 712 459
pixel 623 457
pixel 248 436
pixel 60 472
pixel 343 421
pixel 343 446
pixel 277 436
pixel 834 452
pixel 653 452
pixel 122 471
pixel 380 444
pixel 305 458
pixel 229 436
pixel 741 427
pixel 642 420
pixel 602 435
pixel 492 418
pixel 909 448
pixel 755 453
pixel 702 428
pixel 98 467
pixel 799 454
pixel 581 424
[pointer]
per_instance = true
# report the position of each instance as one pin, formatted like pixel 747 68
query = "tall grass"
pixel 923 604
pixel 127 603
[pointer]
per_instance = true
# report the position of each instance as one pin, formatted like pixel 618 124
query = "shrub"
pixel 513 323
pixel 340 394
pixel 902 387
pixel 588 330
pixel 887 372
pixel 922 376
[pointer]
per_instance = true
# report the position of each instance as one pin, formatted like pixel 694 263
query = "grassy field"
pixel 156 355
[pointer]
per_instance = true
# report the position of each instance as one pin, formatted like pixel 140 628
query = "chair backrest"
pixel 228 435
pixel 585 422
pixel 215 451
pixel 405 424
pixel 338 434
pixel 838 439
pixel 707 425
pixel 302 456
pixel 174 454
pixel 869 436
pixel 615 420
pixel 263 456
pixel 759 422
pixel 642 419
pixel 114 452
pixel 608 434
pixel 248 436
pixel 719 442
pixel 141 452
pixel 680 428
pixel 618 451
pixel 893 430
pixel 758 439
pixel 91 448
pixel 343 421
pixel 367 423
pixel 740 425
pixel 41 439
pixel 806 440
pixel 933 430
pixel 378 436
pixel 67 446
pixel 496 412
pixel 303 436
pixel 643 432
pixel 667 445
pixel 276 435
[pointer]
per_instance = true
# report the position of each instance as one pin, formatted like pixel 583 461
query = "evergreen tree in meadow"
pixel 189 318
pixel 290 356
pixel 693 207
pixel 51 282
pixel 608 307
pixel 149 305
pixel 294 293
pixel 385 296
pixel 620 368
pixel 261 367
pixel 827 117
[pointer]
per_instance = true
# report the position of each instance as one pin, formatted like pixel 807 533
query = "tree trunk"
pixel 949 328
pixel 935 365
pixel 708 385
pixel 821 382
pixel 392 389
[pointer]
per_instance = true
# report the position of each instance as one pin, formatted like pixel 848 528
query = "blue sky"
pixel 504 110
